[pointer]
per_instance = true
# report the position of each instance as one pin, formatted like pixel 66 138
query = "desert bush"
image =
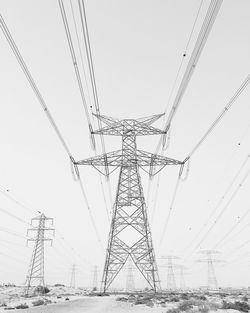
pixel 121 299
pixel 202 297
pixel 175 310
pixel 41 290
pixel 245 298
pixel 38 302
pixel 174 299
pixel 203 308
pixel 186 305
pixel 237 305
pixel 22 306
pixel 184 296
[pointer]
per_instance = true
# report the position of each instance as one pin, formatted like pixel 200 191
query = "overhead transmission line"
pixel 221 199
pixel 199 45
pixel 33 85
pixel 85 32
pixel 221 115
pixel 236 235
pixel 235 225
pixel 78 76
pixel 214 124
pixel 225 207
pixel 75 64
pixel 184 54
pixel 31 81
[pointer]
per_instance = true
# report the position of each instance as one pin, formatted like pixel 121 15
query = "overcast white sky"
pixel 137 47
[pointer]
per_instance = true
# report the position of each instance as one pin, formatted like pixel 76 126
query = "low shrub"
pixel 175 310
pixel 237 305
pixel 186 305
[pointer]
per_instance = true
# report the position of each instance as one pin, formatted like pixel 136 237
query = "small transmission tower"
pixel 129 213
pixel 182 273
pixel 35 276
pixel 130 283
pixel 212 281
pixel 171 283
pixel 73 276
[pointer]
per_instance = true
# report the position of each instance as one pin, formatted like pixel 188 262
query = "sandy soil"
pixel 93 305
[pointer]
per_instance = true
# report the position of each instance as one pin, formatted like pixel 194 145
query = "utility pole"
pixel 129 211
pixel 211 277
pixel 73 276
pixel 35 274
pixel 130 283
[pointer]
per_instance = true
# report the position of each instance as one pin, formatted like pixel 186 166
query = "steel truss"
pixel 130 209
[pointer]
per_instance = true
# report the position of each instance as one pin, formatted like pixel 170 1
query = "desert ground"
pixel 69 300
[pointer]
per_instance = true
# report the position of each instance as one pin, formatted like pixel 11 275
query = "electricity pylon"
pixel 129 211
pixel 36 269
pixel 171 283
pixel 182 274
pixel 73 276
pixel 130 282
pixel 211 277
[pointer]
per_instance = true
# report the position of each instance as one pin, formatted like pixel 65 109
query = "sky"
pixel 137 48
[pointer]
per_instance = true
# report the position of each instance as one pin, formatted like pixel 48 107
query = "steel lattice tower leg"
pixel 212 281
pixel 73 276
pixel 36 269
pixel 95 278
pixel 129 212
pixel 182 279
pixel 130 283
pixel 171 285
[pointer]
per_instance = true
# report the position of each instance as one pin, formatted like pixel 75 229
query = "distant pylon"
pixel 211 277
pixel 130 283
pixel 95 281
pixel 181 269
pixel 35 274
pixel 171 283
pixel 73 276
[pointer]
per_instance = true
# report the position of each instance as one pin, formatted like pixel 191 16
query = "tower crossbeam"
pixel 129 213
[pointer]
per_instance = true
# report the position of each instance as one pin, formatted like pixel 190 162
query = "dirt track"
pixel 93 305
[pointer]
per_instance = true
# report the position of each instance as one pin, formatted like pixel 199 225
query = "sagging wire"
pixel 222 211
pixel 75 64
pixel 222 113
pixel 199 45
pixel 221 199
pixel 31 81
pixel 171 204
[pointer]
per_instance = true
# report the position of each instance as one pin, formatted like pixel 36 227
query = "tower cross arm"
pixel 149 159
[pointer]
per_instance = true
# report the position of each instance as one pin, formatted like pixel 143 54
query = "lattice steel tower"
pixel 211 277
pixel 129 209
pixel 35 274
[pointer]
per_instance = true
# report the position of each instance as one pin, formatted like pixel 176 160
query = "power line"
pixel 14 216
pixel 32 83
pixel 199 45
pixel 221 115
pixel 219 202
pixel 223 209
pixel 74 61
pixel 171 206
